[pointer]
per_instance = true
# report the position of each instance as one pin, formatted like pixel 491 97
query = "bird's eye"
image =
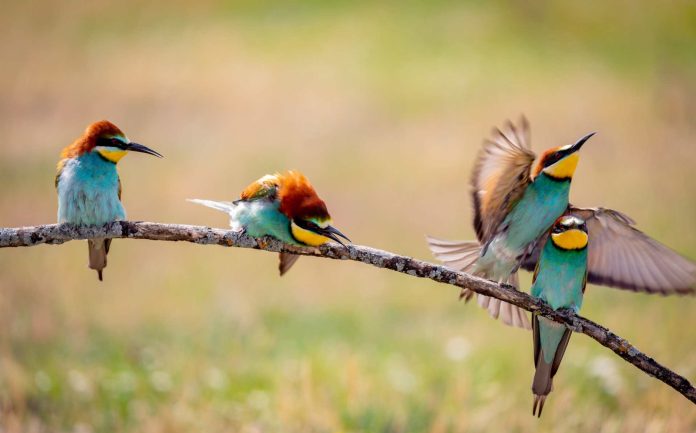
pixel 307 225
pixel 552 159
pixel 115 142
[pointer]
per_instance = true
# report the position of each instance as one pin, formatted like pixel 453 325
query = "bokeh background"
pixel 383 106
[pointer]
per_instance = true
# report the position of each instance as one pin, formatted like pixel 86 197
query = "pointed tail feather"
pixel 286 262
pixel 223 206
pixel 539 401
pixel 545 371
pixel 542 383
pixel 543 374
pixel 98 249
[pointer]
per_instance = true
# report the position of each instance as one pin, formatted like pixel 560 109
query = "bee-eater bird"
pixel 284 206
pixel 515 206
pixel 559 280
pixel 88 185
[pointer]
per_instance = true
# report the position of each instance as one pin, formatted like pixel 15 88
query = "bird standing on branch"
pixel 559 280
pixel 284 206
pixel 515 206
pixel 88 185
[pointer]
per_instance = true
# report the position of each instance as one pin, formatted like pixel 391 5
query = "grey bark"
pixel 60 233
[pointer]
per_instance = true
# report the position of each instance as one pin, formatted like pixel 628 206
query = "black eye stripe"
pixel 307 225
pixel 552 159
pixel 561 228
pixel 110 142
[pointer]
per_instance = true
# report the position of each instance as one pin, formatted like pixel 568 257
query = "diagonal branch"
pixel 60 233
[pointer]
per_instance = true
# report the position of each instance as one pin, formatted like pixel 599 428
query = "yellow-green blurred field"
pixel 383 106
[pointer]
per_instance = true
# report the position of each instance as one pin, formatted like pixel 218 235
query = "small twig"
pixel 60 233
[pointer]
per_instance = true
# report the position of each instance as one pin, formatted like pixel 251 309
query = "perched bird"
pixel 88 185
pixel 559 280
pixel 514 207
pixel 284 206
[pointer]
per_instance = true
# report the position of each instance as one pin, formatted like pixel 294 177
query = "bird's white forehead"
pixel 571 221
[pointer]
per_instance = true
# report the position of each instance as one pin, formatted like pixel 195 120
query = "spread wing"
pixel 501 174
pixel 622 256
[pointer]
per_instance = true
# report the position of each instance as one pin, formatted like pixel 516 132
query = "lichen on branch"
pixel 60 233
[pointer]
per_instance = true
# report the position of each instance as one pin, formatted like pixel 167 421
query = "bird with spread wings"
pixel 510 196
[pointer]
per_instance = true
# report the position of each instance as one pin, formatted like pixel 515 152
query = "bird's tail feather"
pixel 98 249
pixel 539 401
pixel 545 371
pixel 286 262
pixel 541 385
pixel 462 256
pixel 509 314
pixel 458 255
pixel 223 206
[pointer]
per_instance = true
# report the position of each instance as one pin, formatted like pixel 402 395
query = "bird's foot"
pixel 466 295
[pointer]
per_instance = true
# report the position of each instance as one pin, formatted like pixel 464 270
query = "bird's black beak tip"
pixel 587 137
pixel 137 147
pixel 582 141
pixel 333 234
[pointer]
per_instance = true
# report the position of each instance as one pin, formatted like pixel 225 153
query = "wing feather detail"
pixel 265 187
pixel 501 173
pixel 622 256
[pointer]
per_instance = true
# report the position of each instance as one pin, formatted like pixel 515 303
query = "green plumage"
pixel 559 280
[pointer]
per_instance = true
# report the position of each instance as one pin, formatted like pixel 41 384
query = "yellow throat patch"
pixel 306 236
pixel 113 155
pixel 564 168
pixel 572 239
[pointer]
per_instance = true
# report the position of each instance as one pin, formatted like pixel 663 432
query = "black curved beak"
pixel 333 233
pixel 578 144
pixel 135 147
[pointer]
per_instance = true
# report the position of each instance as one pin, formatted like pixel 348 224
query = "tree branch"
pixel 60 233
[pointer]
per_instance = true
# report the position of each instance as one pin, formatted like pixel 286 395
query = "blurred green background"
pixel 384 107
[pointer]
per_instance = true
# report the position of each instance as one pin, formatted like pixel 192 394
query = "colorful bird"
pixel 284 206
pixel 559 280
pixel 514 207
pixel 88 185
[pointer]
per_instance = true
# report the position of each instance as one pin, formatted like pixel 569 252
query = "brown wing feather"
pixel 501 174
pixel 266 187
pixel 622 256
pixel 59 171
